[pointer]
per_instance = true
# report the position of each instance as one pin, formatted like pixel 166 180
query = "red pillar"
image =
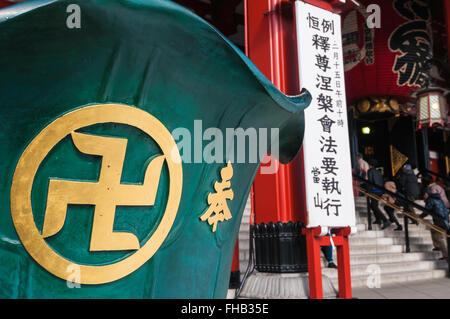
pixel 271 45
pixel 235 277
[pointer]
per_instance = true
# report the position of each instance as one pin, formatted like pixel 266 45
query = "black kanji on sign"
pixel 325 102
pixel 329 165
pixel 324 83
pixel 330 186
pixel 321 42
pixel 313 22
pixel 326 123
pixel 322 62
pixel 318 202
pixel 327 26
pixel 316 172
pixel 328 145
pixel 334 203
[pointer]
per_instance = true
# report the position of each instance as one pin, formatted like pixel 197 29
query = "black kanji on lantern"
pixel 414 42
pixel 412 9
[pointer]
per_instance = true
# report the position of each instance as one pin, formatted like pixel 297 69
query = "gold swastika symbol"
pixel 106 193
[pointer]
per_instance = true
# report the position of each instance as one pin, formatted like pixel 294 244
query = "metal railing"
pixel 406 214
pixel 437 175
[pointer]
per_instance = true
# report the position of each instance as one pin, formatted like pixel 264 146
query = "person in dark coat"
pixel 374 176
pixel 410 188
pixel 435 206
pixel 409 183
pixel 429 183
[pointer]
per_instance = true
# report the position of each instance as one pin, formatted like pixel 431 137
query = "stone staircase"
pixel 375 252
pixel 244 239
pixel 382 252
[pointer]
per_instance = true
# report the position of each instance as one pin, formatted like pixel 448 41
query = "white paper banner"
pixel 326 148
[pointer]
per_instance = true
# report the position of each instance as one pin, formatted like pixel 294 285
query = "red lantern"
pixel 390 60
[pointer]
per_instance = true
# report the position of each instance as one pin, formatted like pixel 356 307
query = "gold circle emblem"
pixel 42 144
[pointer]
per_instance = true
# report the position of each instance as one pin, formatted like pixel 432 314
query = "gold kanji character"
pixel 218 210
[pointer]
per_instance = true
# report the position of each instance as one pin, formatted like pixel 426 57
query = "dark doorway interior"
pixel 392 142
pixel 372 142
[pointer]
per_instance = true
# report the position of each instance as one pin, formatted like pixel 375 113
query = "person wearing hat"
pixel 435 207
pixel 375 177
pixel 429 183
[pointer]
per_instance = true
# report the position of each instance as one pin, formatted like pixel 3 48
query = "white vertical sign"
pixel 326 147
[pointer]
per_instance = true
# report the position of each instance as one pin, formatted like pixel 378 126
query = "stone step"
pixel 393 257
pixel 363 220
pixel 383 249
pixel 412 229
pixel 389 232
pixel 391 278
pixel 388 268
pixel 362 200
pixel 400 240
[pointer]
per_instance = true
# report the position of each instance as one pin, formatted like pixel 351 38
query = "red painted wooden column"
pixel 235 269
pixel 271 45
